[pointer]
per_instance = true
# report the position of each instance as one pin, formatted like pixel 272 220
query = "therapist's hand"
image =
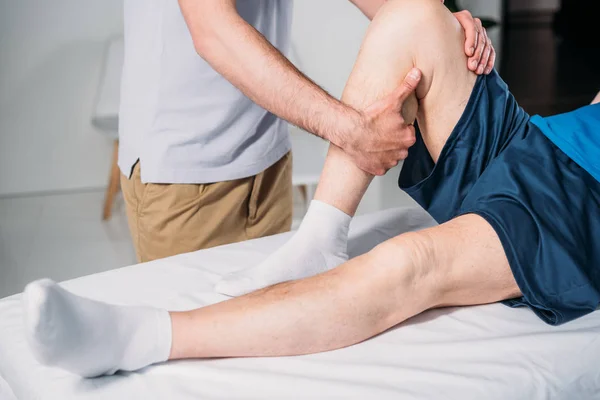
pixel 384 134
pixel 478 46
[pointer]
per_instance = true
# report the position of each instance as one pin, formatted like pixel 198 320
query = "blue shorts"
pixel 543 206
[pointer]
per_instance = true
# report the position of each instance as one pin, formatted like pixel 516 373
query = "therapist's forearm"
pixel 369 7
pixel 244 57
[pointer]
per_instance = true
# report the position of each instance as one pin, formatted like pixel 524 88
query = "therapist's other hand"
pixel 478 47
pixel 384 134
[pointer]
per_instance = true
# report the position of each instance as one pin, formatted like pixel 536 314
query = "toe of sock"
pixel 37 289
pixel 235 286
pixel 35 302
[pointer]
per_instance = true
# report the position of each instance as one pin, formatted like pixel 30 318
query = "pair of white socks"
pixel 91 338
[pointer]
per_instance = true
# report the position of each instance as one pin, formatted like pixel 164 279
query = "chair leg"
pixel 304 191
pixel 113 184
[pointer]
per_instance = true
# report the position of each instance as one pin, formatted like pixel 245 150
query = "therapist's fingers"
pixel 475 61
pixel 408 87
pixel 487 53
pixel 471 32
pixel 492 60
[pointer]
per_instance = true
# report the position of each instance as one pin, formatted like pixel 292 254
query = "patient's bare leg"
pixel 459 263
pixel 389 51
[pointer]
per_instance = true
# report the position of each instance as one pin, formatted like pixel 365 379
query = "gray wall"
pixel 52 52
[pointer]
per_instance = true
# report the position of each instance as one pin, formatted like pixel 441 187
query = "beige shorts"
pixel 169 219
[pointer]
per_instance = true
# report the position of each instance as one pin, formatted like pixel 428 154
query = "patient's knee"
pixel 407 274
pixel 412 255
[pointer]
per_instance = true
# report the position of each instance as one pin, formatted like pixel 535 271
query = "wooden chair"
pixel 114 184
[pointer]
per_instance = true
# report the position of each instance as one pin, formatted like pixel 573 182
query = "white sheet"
pixel 487 352
pixel 6 392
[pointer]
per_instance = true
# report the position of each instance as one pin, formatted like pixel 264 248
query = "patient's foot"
pixel 319 245
pixel 91 338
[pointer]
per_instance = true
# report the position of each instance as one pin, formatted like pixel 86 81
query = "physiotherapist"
pixel 204 146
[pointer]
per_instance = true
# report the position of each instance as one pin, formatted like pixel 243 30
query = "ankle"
pixel 322 215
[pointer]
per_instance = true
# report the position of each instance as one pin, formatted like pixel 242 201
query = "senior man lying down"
pixel 518 200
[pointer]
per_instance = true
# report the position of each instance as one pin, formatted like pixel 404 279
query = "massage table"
pixel 483 352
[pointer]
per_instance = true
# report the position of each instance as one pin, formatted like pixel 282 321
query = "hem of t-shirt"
pixel 157 174
pixel 126 164
pixel 566 147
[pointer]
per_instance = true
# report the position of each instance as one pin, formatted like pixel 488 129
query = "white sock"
pixel 91 338
pixel 319 245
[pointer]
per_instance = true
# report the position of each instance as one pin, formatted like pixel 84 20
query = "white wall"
pixel 327 36
pixel 51 55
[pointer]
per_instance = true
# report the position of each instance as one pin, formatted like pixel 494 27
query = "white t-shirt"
pixel 178 116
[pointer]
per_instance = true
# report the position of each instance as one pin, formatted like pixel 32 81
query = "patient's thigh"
pixel 422 34
pixel 469 263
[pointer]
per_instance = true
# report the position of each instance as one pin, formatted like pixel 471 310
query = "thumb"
pixel 408 87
